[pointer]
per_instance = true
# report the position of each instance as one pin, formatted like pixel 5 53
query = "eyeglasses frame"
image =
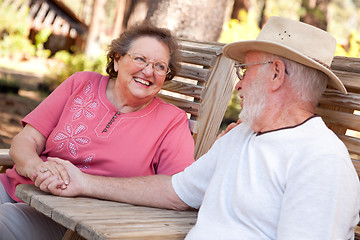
pixel 242 66
pixel 147 64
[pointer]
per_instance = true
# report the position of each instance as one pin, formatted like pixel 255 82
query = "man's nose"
pixel 238 86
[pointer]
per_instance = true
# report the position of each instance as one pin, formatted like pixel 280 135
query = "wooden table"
pixel 100 219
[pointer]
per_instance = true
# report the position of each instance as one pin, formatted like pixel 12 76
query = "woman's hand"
pixel 74 188
pixel 228 128
pixel 44 173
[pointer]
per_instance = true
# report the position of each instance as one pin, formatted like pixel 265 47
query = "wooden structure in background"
pixel 67 29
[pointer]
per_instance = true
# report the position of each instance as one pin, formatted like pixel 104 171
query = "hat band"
pixel 318 61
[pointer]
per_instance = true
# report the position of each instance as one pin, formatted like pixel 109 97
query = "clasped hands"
pixel 54 176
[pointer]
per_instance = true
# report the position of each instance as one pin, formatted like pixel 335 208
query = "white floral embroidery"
pixel 87 161
pixel 71 138
pixel 84 107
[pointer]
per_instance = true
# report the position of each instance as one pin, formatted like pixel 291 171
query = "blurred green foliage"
pixel 67 64
pixel 14 29
pixel 40 39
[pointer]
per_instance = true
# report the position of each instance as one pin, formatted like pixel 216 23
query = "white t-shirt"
pixel 292 183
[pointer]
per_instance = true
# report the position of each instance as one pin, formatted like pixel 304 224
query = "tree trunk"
pixel 92 47
pixel 119 18
pixel 239 5
pixel 198 20
pixel 316 13
pixel 135 11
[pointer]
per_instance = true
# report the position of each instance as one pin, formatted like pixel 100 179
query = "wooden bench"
pixel 341 112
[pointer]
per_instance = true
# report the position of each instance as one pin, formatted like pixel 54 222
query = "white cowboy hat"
pixel 293 40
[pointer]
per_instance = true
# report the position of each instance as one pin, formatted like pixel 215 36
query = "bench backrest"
pixel 203 88
pixel 341 112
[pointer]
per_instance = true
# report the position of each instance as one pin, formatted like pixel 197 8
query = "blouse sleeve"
pixel 46 115
pixel 177 149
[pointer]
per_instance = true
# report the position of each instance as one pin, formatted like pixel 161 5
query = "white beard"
pixel 254 101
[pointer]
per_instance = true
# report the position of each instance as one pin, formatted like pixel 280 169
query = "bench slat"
pixel 356 164
pixel 213 48
pixel 187 89
pixel 351 143
pixel 346 64
pixel 203 59
pixel 347 120
pixel 350 79
pixel 336 98
pixel 195 73
pixel 188 106
pixel 5 159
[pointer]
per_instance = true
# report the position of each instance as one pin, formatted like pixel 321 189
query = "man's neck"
pixel 281 117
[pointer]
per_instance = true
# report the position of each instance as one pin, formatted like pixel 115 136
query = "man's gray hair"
pixel 308 83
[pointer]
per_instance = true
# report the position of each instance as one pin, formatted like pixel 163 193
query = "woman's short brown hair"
pixel 122 44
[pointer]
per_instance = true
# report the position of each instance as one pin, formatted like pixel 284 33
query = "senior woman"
pixel 105 125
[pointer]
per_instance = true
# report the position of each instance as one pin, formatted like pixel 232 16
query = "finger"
pixel 56 187
pixel 56 160
pixel 63 174
pixel 221 134
pixel 44 185
pixel 41 178
pixel 230 126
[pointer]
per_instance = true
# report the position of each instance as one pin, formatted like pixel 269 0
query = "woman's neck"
pixel 122 103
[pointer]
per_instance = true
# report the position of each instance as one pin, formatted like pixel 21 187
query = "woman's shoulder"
pixel 87 75
pixel 168 107
pixel 81 78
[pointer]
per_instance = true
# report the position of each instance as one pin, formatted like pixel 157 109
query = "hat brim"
pixel 238 50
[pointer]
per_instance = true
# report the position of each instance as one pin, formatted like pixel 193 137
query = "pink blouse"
pixel 82 126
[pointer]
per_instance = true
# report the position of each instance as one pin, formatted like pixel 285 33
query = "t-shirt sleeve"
pixel 46 115
pixel 177 148
pixel 191 184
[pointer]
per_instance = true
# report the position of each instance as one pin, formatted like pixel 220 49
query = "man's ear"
pixel 278 79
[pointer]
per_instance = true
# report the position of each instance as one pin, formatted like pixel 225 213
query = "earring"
pixel 116 66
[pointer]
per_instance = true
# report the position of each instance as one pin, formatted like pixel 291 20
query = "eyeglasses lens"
pixel 160 68
pixel 240 71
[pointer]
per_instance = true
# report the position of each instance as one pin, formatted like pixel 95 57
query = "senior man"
pixel 280 174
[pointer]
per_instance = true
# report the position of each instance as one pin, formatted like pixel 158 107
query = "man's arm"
pixel 153 191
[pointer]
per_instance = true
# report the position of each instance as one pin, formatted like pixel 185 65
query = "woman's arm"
pixel 25 149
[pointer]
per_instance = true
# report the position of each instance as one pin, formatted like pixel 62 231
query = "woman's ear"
pixel 278 79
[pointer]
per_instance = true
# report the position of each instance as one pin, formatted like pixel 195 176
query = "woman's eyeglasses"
pixel 140 60
pixel 241 68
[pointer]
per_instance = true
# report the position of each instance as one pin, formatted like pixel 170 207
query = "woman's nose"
pixel 148 69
